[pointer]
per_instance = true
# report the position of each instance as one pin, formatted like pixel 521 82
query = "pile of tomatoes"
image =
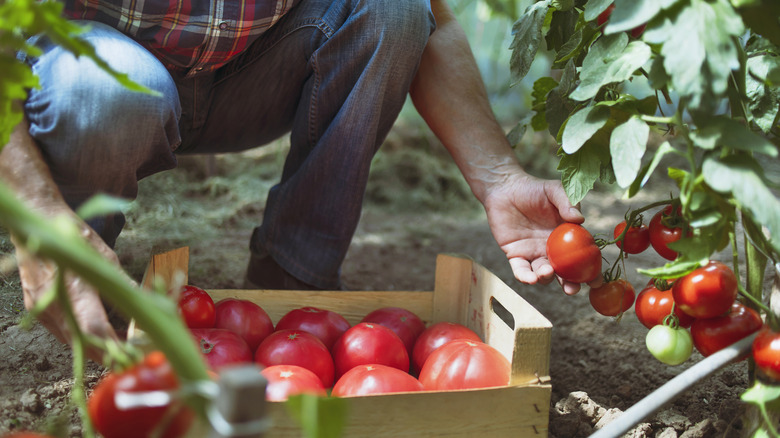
pixel 308 351
pixel 700 310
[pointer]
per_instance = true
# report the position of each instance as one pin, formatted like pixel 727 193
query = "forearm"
pixel 449 94
pixel 23 169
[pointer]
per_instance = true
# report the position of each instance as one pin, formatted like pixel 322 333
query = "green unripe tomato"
pixel 669 345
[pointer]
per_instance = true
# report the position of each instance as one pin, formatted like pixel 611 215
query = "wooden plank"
pixel 451 288
pixel 171 267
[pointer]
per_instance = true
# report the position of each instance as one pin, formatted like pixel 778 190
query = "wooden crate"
pixel 464 292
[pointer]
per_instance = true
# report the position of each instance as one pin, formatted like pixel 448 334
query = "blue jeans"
pixel 332 73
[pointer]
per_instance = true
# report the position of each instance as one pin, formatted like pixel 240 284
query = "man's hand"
pixel 38 276
pixel 522 211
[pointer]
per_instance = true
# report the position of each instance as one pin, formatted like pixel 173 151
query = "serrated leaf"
pixel 610 59
pixel 741 176
pixel 579 172
pixel 527 35
pixel 582 125
pixel 763 100
pixel 627 146
pixel 727 132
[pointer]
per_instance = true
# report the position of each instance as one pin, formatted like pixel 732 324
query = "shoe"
pixel 265 273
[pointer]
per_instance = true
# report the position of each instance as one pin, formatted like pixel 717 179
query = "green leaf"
pixel 761 393
pixel 627 146
pixel 647 171
pixel 729 133
pixel 699 49
pixel 763 99
pixel 595 7
pixel 671 270
pixel 527 35
pixel 558 108
pixel 320 417
pixel 582 125
pixel 101 205
pixel 629 14
pixel 580 171
pixel 562 5
pixel 610 59
pixel 741 176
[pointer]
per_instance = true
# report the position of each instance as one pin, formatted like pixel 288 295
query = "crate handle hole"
pixel 502 312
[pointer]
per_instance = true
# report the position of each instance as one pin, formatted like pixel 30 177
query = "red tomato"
pixel 663 233
pixel 463 364
pixel 636 240
pixel 573 253
pixel 714 334
pixel 288 380
pixel 612 298
pixel 324 324
pixel 435 336
pixel 604 17
pixel 706 292
pixel 196 307
pixel 402 322
pixel 245 318
pixel 369 343
pixel 152 374
pixel 374 379
pixel 222 347
pixel 766 353
pixel 653 305
pixel 297 347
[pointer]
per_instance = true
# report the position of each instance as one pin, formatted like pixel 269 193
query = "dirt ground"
pixel 599 367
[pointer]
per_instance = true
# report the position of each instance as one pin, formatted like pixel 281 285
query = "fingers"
pixel 568 212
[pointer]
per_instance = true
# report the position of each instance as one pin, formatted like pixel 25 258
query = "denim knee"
pixel 406 24
pixel 96 134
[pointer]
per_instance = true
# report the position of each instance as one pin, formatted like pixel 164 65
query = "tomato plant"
pixel 196 307
pixel 573 253
pixel 285 381
pixel 369 343
pixel 670 345
pixel 324 324
pixel 635 241
pixel 435 336
pixel 245 318
pixel 713 334
pixel 706 292
pixel 653 305
pixel 297 347
pixel 153 373
pixel 664 229
pixel 612 298
pixel 465 364
pixel 222 347
pixel 373 379
pixel 603 17
pixel 404 323
pixel 766 353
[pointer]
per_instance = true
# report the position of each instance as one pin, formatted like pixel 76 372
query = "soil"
pixel 599 366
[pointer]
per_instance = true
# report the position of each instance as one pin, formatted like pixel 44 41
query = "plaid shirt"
pixel 188 36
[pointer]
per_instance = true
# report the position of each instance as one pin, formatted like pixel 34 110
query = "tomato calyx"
pixel 206 346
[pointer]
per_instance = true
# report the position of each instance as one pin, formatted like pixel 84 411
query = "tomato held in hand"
pixel 373 379
pixel 766 353
pixel 636 240
pixel 245 318
pixel 573 253
pixel 653 305
pixel 612 298
pixel 669 345
pixel 463 364
pixel 402 322
pixel 297 347
pixel 324 324
pixel 222 347
pixel 706 292
pixel 196 307
pixel 368 343
pixel 714 334
pixel 154 373
pixel 665 228
pixel 435 336
pixel 285 381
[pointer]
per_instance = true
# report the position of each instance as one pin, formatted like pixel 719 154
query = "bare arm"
pixel 522 210
pixel 24 170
